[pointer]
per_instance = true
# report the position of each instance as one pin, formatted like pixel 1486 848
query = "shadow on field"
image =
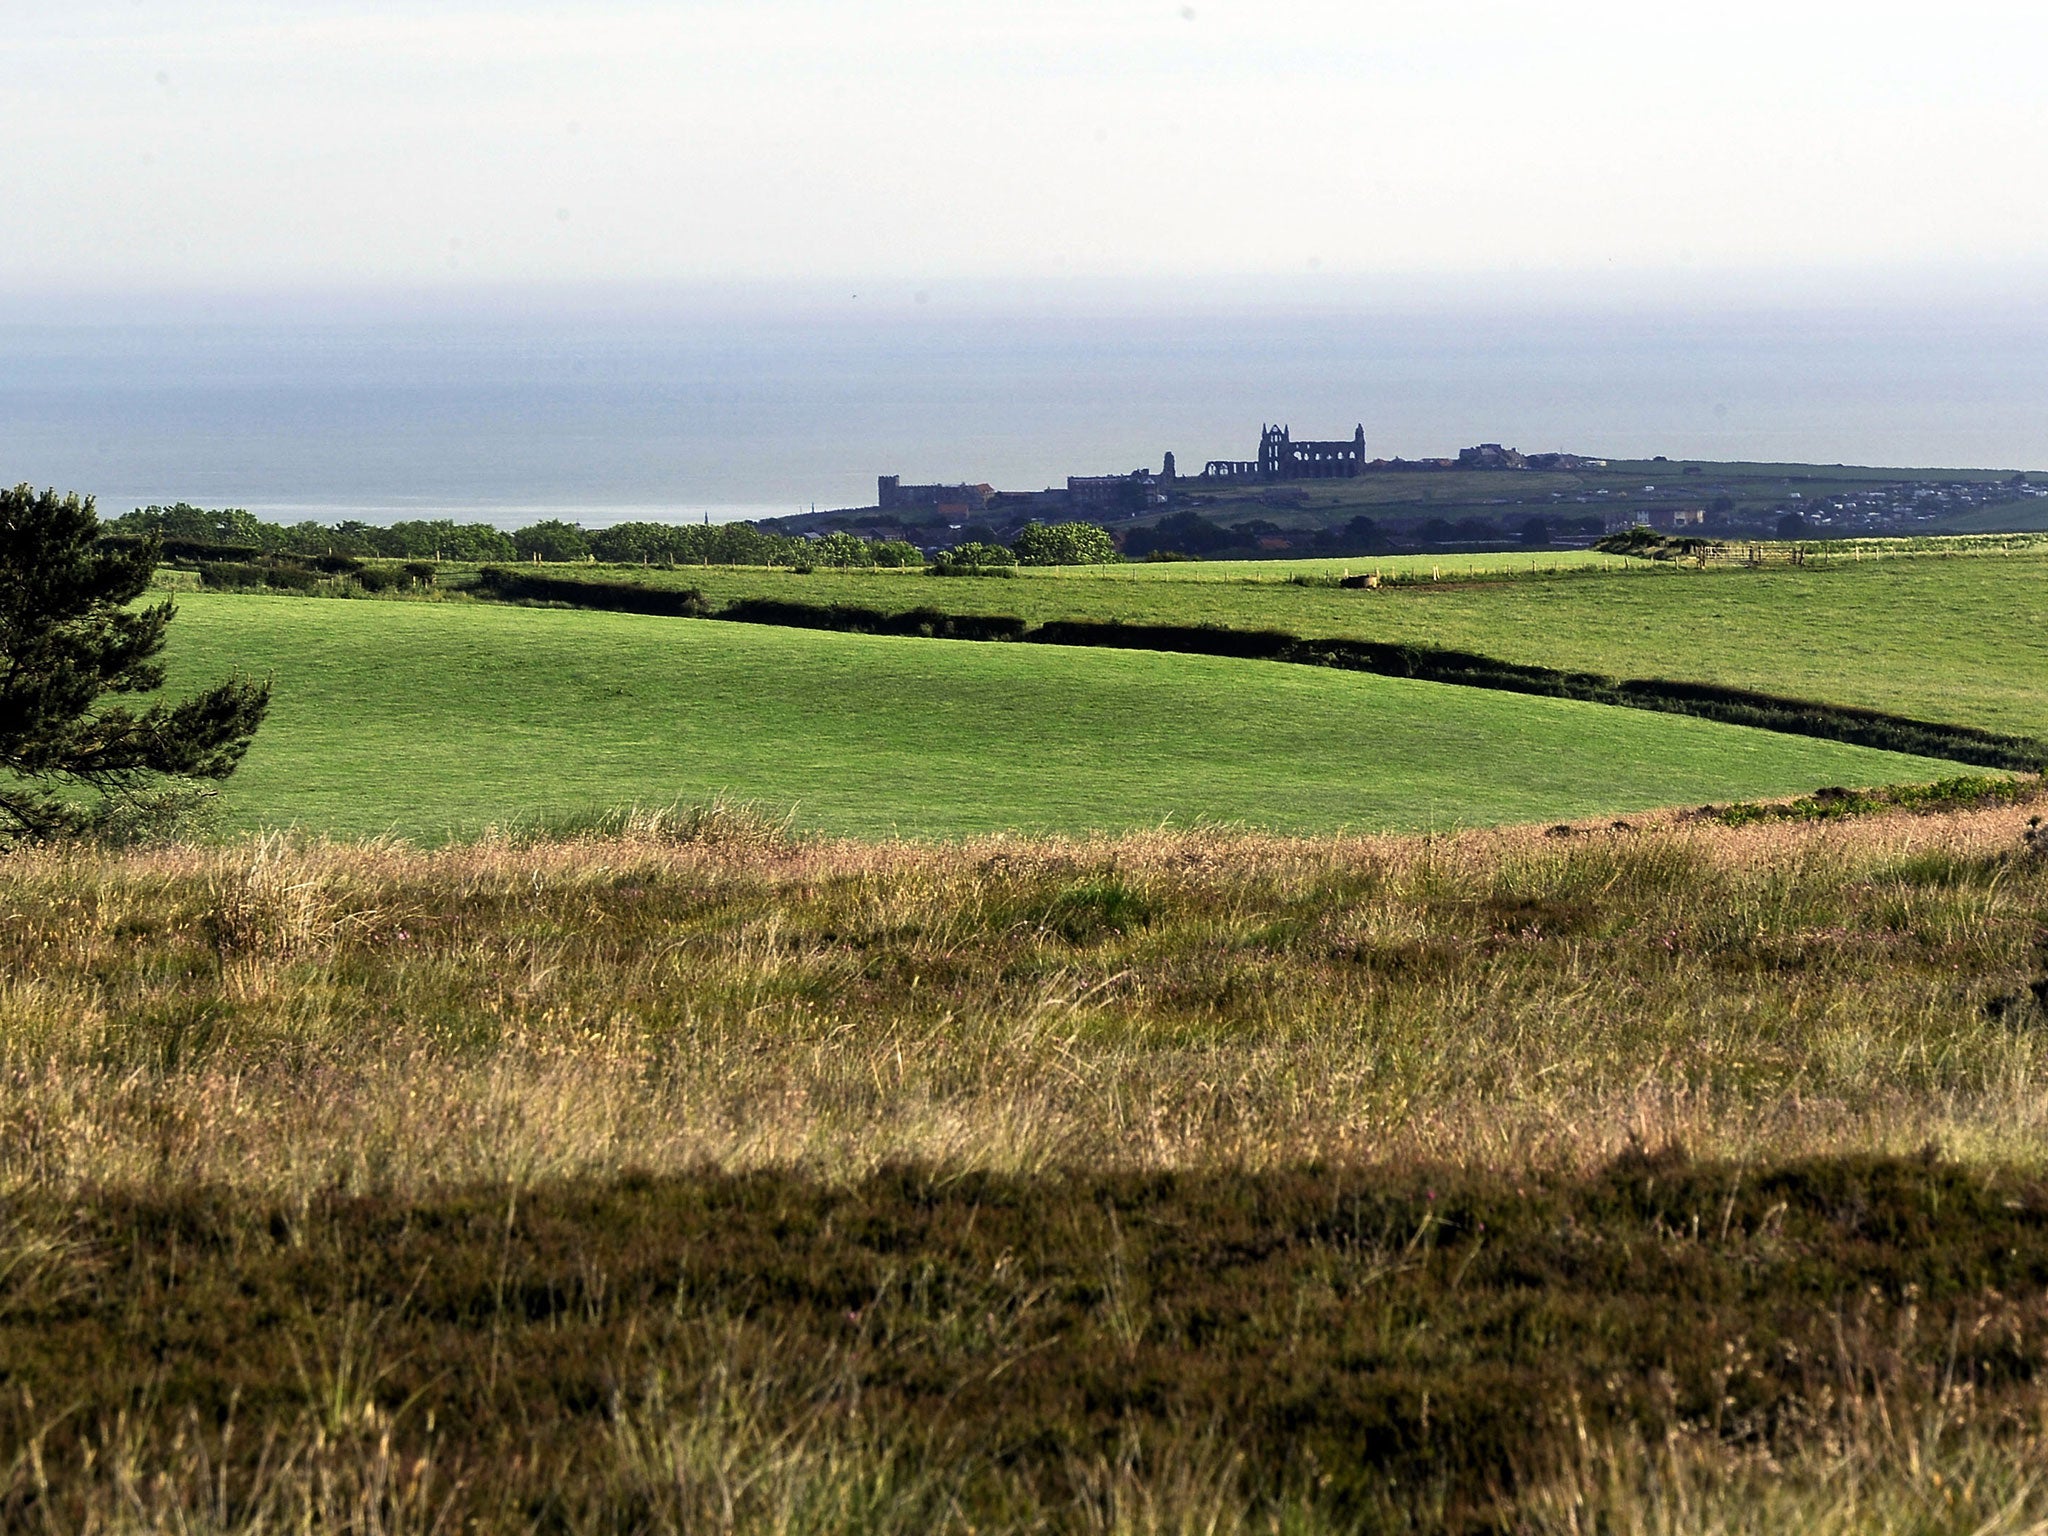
pixel 1329 1347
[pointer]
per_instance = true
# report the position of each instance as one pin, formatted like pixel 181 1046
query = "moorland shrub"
pixel 396 578
pixel 1836 804
pixel 852 619
pixel 187 551
pixel 1644 543
pixel 291 578
pixel 231 575
pixel 839 550
pixel 636 544
pixel 671 544
pixel 974 558
pixel 726 544
pixel 187 533
pixel 1064 544
pixel 1187 639
pixel 513 585
pixel 1834 722
pixel 1089 912
pixel 184 524
pixel 895 554
pixel 438 539
pixel 551 540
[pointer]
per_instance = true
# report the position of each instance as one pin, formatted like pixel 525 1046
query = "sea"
pixel 688 409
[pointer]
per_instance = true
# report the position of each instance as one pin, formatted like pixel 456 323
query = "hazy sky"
pixel 350 142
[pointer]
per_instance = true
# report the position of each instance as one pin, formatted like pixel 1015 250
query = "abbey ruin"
pixel 1282 458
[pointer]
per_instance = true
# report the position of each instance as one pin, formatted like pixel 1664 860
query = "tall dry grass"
pixel 672 992
pixel 767 1440
pixel 213 1045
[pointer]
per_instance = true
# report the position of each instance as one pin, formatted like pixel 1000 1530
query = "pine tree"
pixel 69 635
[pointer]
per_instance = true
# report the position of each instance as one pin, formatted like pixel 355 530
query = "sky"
pixel 932 147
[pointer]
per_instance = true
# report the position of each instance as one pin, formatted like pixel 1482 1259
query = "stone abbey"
pixel 1282 458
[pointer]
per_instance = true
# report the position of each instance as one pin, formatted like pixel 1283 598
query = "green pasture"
pixel 2032 518
pixel 1314 503
pixel 436 719
pixel 1814 479
pixel 1487 563
pixel 1940 636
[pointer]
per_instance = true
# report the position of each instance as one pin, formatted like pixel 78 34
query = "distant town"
pixel 1302 496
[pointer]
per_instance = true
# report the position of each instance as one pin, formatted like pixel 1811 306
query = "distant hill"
pixel 1455 508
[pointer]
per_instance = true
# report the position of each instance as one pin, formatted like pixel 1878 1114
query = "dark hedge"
pixel 515 586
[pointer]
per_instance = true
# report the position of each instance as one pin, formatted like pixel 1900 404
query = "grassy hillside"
pixel 1492 563
pixel 1753 493
pixel 432 719
pixel 1940 637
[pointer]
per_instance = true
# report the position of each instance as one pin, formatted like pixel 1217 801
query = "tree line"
pixel 553 540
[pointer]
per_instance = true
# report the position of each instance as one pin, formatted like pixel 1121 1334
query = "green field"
pixel 1956 638
pixel 1488 563
pixel 2034 518
pixel 435 719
